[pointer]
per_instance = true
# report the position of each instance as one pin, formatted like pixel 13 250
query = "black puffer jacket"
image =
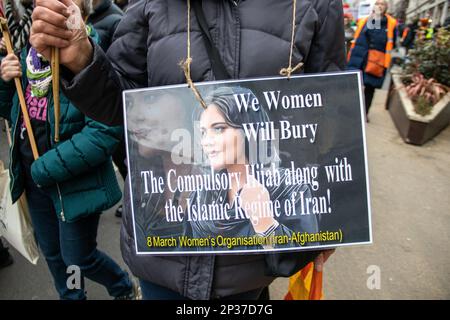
pixel 105 19
pixel 253 38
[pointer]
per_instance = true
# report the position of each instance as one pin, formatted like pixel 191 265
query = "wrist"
pixel 83 59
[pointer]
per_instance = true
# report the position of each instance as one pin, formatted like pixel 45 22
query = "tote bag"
pixel 15 223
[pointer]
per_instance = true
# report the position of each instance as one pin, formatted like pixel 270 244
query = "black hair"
pixel 225 99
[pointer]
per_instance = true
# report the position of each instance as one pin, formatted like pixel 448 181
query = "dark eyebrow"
pixel 215 124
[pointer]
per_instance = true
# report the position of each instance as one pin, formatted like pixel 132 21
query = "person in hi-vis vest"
pixel 372 48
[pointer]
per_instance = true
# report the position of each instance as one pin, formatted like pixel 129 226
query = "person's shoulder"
pixel 323 7
pixel 319 4
pixel 137 3
pixel 140 7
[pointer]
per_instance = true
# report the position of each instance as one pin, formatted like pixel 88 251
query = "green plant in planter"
pixel 427 71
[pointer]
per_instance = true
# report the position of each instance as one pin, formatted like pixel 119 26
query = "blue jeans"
pixel 65 244
pixel 151 291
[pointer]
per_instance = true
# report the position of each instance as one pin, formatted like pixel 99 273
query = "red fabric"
pixel 2 10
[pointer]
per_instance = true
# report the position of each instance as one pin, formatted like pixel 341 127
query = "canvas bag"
pixel 15 222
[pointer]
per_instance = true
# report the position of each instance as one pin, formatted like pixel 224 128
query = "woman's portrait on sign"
pixel 255 206
pixel 150 145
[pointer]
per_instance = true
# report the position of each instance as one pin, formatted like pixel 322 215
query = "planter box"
pixel 414 128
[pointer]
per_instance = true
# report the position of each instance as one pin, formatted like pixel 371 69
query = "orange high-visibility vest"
pixel 391 24
pixel 405 33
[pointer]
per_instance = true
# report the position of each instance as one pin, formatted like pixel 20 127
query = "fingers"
pixel 67 3
pixel 7 75
pixel 327 253
pixel 10 60
pixel 322 258
pixel 41 26
pixel 48 16
pixel 10 67
pixel 41 42
pixel 49 25
pixel 318 263
pixel 58 7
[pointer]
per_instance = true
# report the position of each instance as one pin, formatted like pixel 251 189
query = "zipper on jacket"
pixel 50 144
pixel 61 214
pixel 237 41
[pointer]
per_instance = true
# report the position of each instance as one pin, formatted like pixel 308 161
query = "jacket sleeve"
pixel 93 145
pixel 359 52
pixel 7 91
pixel 97 90
pixel 327 51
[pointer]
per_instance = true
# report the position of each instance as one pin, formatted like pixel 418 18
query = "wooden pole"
pixel 18 83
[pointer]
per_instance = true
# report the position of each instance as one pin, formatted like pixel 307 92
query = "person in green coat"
pixel 72 181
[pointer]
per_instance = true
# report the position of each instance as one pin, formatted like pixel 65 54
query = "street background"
pixel 410 199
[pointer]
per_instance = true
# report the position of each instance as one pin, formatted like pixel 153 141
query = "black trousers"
pixel 369 91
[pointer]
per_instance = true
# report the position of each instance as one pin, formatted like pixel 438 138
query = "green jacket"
pixel 76 172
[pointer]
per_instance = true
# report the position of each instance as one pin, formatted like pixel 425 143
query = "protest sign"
pixel 270 165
